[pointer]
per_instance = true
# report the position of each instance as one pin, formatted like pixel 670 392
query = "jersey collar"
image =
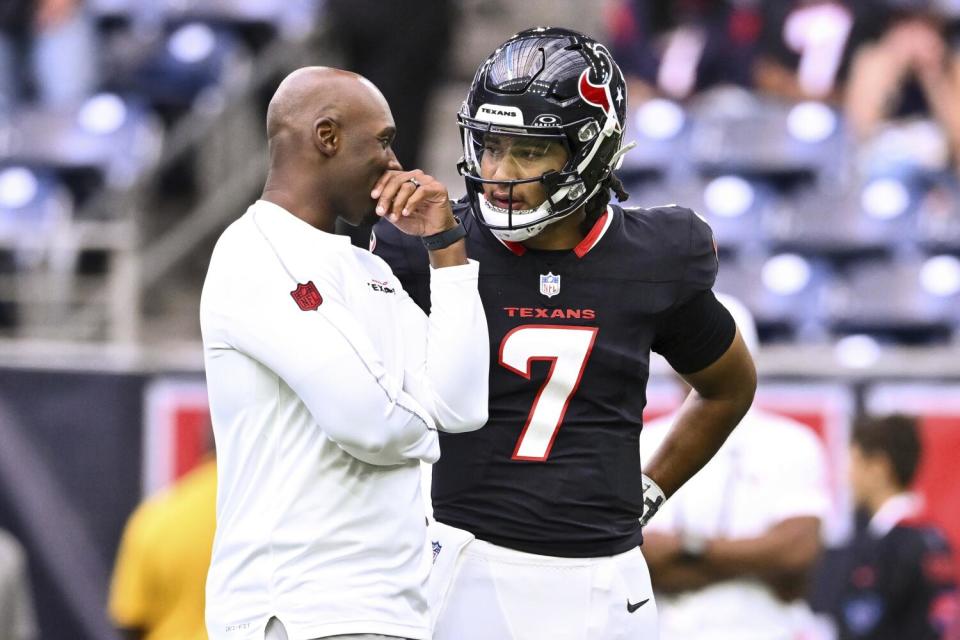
pixel 583 248
pixel 892 512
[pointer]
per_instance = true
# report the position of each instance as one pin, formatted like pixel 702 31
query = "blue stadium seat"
pixel 190 59
pixel 870 217
pixel 735 131
pixel 733 205
pixel 289 19
pixel 914 299
pixel 116 138
pixel 35 210
pixel 661 130
pixel 938 217
pixel 783 291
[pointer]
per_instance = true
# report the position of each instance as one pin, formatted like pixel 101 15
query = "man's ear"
pixel 326 135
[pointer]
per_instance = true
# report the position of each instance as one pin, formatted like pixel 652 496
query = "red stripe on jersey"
pixel 515 247
pixel 594 236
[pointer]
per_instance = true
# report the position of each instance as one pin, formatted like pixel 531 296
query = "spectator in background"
pixel 898 580
pixel 17 618
pixel 806 46
pixel 678 48
pixel 157 592
pixel 402 48
pixel 910 68
pixel 730 553
pixel 47 47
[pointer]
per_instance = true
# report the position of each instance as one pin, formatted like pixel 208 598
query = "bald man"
pixel 327 383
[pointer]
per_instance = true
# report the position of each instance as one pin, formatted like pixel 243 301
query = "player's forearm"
pixel 670 570
pixel 699 431
pixel 679 575
pixel 788 551
pixel 721 395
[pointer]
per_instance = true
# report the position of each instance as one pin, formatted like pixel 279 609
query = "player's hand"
pixel 416 203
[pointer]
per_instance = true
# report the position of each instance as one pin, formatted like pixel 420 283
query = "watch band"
pixel 446 238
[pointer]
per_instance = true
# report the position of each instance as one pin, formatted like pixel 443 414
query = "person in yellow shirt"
pixel 157 591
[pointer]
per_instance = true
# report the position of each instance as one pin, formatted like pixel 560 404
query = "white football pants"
pixel 488 592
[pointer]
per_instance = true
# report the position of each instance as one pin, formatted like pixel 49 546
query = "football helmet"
pixel 546 84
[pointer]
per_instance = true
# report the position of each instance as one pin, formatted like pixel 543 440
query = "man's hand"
pixel 414 202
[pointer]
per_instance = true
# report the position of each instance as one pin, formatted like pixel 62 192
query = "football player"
pixel 539 515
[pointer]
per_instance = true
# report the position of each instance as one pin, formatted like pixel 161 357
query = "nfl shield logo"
pixel 306 296
pixel 549 285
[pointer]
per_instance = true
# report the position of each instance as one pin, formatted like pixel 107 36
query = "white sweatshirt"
pixel 326 385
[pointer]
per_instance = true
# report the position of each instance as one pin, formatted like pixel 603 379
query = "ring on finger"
pixel 414 181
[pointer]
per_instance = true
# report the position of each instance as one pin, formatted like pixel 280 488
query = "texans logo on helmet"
pixel 599 94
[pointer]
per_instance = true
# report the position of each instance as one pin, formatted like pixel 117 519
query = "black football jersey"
pixel 902 585
pixel 556 469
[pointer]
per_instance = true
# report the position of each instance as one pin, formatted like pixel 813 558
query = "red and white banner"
pixel 176 432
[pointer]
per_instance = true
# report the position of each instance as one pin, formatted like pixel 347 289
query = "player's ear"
pixel 326 135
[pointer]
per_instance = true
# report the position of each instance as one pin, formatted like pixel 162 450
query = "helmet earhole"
pixel 588 131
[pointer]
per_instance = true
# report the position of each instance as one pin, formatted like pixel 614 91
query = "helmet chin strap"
pixel 518 234
pixel 521 234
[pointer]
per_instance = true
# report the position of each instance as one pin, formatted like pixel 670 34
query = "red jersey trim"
pixel 599 228
pixel 583 248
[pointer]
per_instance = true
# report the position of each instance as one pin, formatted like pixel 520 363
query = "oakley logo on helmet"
pixel 546 120
pixel 499 115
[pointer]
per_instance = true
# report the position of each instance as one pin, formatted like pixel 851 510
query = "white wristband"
pixel 653 497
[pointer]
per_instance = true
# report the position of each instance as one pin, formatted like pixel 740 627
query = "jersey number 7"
pixel 567 349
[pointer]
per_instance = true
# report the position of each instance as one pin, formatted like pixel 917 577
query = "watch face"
pixel 693 544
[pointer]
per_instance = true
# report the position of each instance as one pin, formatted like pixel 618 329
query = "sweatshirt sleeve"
pixel 333 367
pixel 448 369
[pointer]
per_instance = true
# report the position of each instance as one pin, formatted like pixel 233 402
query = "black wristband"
pixel 446 238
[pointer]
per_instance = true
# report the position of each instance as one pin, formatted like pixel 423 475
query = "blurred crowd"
pixel 881 62
pixel 821 139
pixel 48 53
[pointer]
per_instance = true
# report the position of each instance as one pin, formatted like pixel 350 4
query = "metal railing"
pixel 226 137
